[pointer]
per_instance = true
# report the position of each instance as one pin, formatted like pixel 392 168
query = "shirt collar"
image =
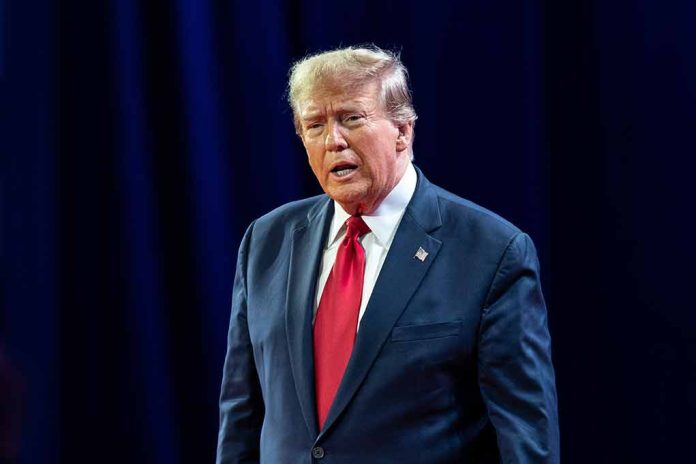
pixel 384 220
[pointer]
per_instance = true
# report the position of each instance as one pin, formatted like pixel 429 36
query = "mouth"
pixel 343 169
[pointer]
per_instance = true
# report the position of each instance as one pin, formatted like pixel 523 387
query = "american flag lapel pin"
pixel 421 254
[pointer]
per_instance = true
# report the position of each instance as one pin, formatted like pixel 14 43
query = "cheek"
pixel 315 164
pixel 314 156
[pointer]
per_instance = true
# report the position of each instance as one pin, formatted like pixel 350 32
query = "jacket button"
pixel 317 452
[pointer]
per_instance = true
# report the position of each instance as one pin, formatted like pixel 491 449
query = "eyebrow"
pixel 348 108
pixel 310 116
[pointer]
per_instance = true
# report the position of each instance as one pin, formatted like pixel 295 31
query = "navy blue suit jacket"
pixel 451 363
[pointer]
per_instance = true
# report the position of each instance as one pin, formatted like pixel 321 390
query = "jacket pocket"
pixel 425 331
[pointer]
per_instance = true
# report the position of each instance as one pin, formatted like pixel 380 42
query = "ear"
pixel 405 137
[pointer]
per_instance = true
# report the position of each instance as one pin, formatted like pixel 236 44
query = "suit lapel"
pixel 399 278
pixel 305 256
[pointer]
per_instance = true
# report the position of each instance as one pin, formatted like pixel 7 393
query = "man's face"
pixel 356 152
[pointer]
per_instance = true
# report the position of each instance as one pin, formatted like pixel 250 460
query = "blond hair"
pixel 350 68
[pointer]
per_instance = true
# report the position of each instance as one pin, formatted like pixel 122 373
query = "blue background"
pixel 138 139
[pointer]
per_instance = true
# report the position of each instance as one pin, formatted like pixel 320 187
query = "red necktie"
pixel 337 316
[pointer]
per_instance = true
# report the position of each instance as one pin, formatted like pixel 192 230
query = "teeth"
pixel 343 172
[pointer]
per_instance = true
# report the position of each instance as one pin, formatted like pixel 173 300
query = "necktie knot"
pixel 356 227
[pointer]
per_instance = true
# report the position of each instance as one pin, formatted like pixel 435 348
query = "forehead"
pixel 333 96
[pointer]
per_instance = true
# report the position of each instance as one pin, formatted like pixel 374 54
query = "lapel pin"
pixel 421 254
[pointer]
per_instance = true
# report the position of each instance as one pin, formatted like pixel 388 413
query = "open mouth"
pixel 343 169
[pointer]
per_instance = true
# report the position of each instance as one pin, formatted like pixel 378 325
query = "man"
pixel 388 321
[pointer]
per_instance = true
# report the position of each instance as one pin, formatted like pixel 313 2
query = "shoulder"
pixel 282 221
pixel 467 230
pixel 292 215
pixel 464 218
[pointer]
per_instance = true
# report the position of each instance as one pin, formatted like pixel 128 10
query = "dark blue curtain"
pixel 138 139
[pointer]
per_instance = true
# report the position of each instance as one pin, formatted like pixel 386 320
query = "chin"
pixel 346 193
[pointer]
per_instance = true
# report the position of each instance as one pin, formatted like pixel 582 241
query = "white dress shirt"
pixel 383 223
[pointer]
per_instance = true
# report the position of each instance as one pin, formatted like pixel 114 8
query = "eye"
pixel 314 127
pixel 352 118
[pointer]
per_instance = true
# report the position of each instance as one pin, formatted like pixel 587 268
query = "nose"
pixel 334 139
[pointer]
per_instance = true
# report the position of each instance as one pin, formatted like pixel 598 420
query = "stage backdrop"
pixel 140 138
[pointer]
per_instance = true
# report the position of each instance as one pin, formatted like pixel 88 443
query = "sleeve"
pixel 241 403
pixel 516 376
